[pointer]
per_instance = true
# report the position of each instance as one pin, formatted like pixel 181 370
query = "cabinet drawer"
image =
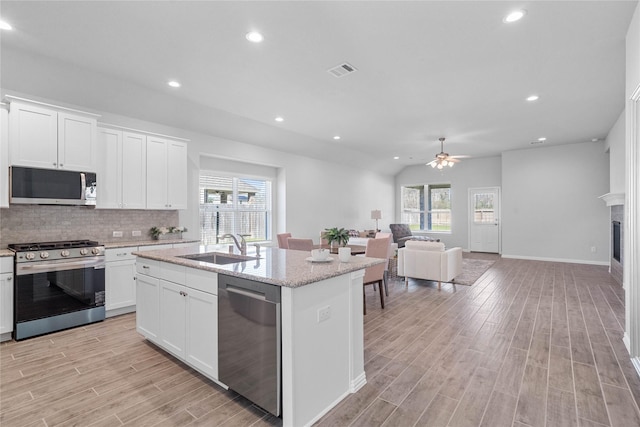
pixel 172 273
pixel 120 254
pixel 202 280
pixel 149 267
pixel 6 264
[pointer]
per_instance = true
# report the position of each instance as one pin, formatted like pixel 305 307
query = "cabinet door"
pixel 134 171
pixel 120 284
pixel 33 137
pixel 156 173
pixel 76 143
pixel 202 331
pixel 147 309
pixel 6 302
pixel 110 169
pixel 4 157
pixel 173 305
pixel 176 175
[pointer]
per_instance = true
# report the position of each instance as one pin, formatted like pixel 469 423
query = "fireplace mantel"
pixel 613 199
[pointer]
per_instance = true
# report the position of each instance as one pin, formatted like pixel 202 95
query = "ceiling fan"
pixel 443 159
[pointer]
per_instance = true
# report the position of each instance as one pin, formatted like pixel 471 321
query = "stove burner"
pixel 46 246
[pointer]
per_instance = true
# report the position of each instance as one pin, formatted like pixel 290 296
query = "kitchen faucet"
pixel 242 245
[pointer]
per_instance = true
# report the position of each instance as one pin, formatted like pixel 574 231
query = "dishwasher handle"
pixel 246 292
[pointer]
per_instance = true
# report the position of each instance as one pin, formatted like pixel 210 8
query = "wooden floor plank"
pixel 531 343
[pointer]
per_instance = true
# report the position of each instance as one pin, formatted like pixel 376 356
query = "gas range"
pixel 49 251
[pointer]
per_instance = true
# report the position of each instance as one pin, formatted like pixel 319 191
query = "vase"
pixel 169 236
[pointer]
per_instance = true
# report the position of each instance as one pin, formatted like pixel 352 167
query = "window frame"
pixel 426 212
pixel 236 208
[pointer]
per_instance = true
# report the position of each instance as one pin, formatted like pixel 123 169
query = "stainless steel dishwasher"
pixel 249 340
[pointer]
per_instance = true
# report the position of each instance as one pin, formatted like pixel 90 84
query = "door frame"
pixel 470 217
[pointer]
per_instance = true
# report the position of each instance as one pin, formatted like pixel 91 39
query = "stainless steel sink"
pixel 219 258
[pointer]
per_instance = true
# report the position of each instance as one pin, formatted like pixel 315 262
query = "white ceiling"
pixel 426 69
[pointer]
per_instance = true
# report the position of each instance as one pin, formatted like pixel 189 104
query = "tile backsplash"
pixel 35 223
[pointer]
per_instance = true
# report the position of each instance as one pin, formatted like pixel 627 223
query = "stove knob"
pixel 30 255
pixel 95 251
pixel 64 253
pixel 44 255
pixel 84 251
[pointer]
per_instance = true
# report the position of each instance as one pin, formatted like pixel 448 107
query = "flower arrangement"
pixel 156 232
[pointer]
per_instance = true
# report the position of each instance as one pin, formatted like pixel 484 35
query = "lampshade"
pixel 376 214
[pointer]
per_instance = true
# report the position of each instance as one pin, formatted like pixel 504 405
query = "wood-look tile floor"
pixel 530 344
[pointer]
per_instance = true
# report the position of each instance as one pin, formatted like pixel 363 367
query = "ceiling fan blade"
pixel 461 156
pixel 452 159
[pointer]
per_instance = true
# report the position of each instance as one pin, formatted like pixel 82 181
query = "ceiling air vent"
pixel 342 70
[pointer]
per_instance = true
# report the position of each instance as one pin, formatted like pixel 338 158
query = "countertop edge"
pixel 172 256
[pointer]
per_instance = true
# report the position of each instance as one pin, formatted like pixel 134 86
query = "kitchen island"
pixel 321 319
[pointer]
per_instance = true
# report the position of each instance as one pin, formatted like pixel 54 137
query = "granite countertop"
pixel 6 252
pixel 114 245
pixel 275 266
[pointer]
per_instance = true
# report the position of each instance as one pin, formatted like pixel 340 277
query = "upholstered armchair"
pixel 429 261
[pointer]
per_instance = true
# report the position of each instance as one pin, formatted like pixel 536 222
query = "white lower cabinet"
pixel 120 280
pixel 6 304
pixel 177 308
pixel 147 309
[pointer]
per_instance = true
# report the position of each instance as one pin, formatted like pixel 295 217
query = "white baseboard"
pixel 627 342
pixel 636 364
pixel 358 383
pixel 6 337
pixel 326 410
pixel 569 261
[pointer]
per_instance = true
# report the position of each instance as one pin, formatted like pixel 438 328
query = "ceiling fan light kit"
pixel 442 159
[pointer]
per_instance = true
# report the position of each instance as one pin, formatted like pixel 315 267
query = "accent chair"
pixel 429 261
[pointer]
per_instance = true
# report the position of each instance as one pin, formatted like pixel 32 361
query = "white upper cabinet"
pixel 44 137
pixel 4 157
pixel 166 173
pixel 122 169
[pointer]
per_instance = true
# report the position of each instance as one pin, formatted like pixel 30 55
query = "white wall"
pixel 469 173
pixel 615 144
pixel 550 205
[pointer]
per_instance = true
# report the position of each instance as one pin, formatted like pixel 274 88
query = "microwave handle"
pixel 83 184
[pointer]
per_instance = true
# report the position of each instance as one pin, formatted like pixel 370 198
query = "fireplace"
pixel 615 235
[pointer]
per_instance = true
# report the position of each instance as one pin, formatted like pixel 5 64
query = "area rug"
pixel 472 269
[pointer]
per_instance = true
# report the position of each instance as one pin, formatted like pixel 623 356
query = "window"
pixel 236 205
pixel 483 211
pixel 427 207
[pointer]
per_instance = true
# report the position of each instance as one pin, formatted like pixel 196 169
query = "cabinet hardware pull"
pixel 145 266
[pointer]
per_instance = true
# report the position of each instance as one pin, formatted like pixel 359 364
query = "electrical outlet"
pixel 324 313
pixel 136 233
pixel 117 234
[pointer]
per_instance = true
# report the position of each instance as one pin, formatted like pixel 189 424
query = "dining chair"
pixel 282 240
pixel 376 248
pixel 382 235
pixel 300 244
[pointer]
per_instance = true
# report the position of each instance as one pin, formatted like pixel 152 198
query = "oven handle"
pixel 23 269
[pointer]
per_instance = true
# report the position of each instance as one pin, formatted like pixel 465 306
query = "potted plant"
pixel 162 233
pixel 338 235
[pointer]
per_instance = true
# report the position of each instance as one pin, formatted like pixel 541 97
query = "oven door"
pixel 59 287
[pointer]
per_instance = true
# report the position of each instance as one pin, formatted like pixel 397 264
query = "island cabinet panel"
pixel 322 360
pixel 173 306
pixel 202 332
pixel 148 307
pixel 188 306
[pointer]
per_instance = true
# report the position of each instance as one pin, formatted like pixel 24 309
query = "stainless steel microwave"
pixel 51 186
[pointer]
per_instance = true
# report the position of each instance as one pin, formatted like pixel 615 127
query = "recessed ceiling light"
pixel 279 119
pixel 337 137
pixel 533 98
pixel 174 83
pixel 396 158
pixel 514 16
pixel 254 37
pixel 595 139
pixel 5 26
pixel 542 139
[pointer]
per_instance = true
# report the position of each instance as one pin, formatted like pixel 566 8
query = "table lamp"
pixel 376 214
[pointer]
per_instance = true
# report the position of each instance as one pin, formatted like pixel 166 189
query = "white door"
pixel 484 219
